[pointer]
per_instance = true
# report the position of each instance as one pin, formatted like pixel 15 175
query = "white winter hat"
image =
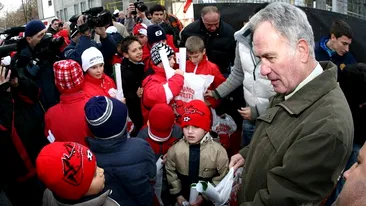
pixel 91 57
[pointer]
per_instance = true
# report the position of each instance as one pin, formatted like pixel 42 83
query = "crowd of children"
pixel 94 159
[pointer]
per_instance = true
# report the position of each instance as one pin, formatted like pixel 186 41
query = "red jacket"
pixel 97 87
pixel 208 68
pixel 66 120
pixel 158 90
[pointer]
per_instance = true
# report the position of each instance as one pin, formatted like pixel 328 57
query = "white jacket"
pixel 246 71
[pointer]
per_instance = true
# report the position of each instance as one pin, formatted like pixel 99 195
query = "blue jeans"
pixel 352 160
pixel 247 132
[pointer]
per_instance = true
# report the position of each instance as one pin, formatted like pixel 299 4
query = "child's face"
pixel 171 62
pixel 97 184
pixel 96 71
pixel 134 52
pixel 142 39
pixel 193 134
pixel 196 57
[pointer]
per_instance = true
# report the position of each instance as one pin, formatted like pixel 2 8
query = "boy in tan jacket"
pixel 195 157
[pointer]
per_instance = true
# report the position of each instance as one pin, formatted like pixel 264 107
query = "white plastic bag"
pixel 223 124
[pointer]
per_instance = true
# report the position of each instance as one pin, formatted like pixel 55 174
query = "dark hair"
pixel 156 8
pixel 340 28
pixel 53 20
pixel 126 42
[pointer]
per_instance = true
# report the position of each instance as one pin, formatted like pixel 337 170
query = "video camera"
pixel 10 42
pixel 94 17
pixel 140 6
pixel 49 46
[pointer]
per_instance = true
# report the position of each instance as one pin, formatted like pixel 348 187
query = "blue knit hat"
pixel 155 33
pixel 33 27
pixel 106 117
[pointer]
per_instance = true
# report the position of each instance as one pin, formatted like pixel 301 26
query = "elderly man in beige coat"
pixel 303 140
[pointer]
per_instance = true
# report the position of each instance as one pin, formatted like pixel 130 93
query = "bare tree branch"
pixel 1 6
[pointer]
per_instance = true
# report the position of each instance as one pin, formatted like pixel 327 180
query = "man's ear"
pixel 204 51
pixel 29 39
pixel 303 49
pixel 333 37
pixel 125 55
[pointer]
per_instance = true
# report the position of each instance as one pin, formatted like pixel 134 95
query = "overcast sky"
pixel 10 4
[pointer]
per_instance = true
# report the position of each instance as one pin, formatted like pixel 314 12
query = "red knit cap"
pixel 161 122
pixel 196 113
pixel 69 76
pixel 140 28
pixel 67 169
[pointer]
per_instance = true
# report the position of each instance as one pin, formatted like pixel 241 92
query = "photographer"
pixel 34 60
pixel 81 40
pixel 22 137
pixel 136 13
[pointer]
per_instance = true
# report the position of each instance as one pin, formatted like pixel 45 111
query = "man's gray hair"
pixel 289 20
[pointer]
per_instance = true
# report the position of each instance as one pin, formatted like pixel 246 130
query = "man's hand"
pixel 209 93
pixel 246 113
pixel 130 9
pixel 140 14
pixel 140 91
pixel 207 103
pixel 80 20
pixel 180 200
pixel 198 202
pixel 101 32
pixel 178 71
pixel 3 78
pixel 236 161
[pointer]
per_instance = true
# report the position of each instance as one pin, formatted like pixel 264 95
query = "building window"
pixel 65 14
pixel 49 2
pixel 58 14
pixel 76 8
pixel 82 6
pixel 61 15
pixel 90 4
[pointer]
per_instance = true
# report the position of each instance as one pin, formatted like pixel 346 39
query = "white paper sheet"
pixel 182 58
pixel 169 72
pixel 159 179
pixel 117 72
pixel 193 194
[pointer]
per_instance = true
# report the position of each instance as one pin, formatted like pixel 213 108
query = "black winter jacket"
pixel 132 76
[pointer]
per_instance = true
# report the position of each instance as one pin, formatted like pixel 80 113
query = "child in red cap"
pixel 69 171
pixel 66 120
pixel 161 131
pixel 195 157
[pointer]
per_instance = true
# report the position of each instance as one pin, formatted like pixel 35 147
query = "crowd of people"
pixel 69 135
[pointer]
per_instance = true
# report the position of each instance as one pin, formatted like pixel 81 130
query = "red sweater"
pixel 158 90
pixel 97 87
pixel 66 120
pixel 206 67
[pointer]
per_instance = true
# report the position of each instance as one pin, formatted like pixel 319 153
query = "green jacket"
pixel 300 146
